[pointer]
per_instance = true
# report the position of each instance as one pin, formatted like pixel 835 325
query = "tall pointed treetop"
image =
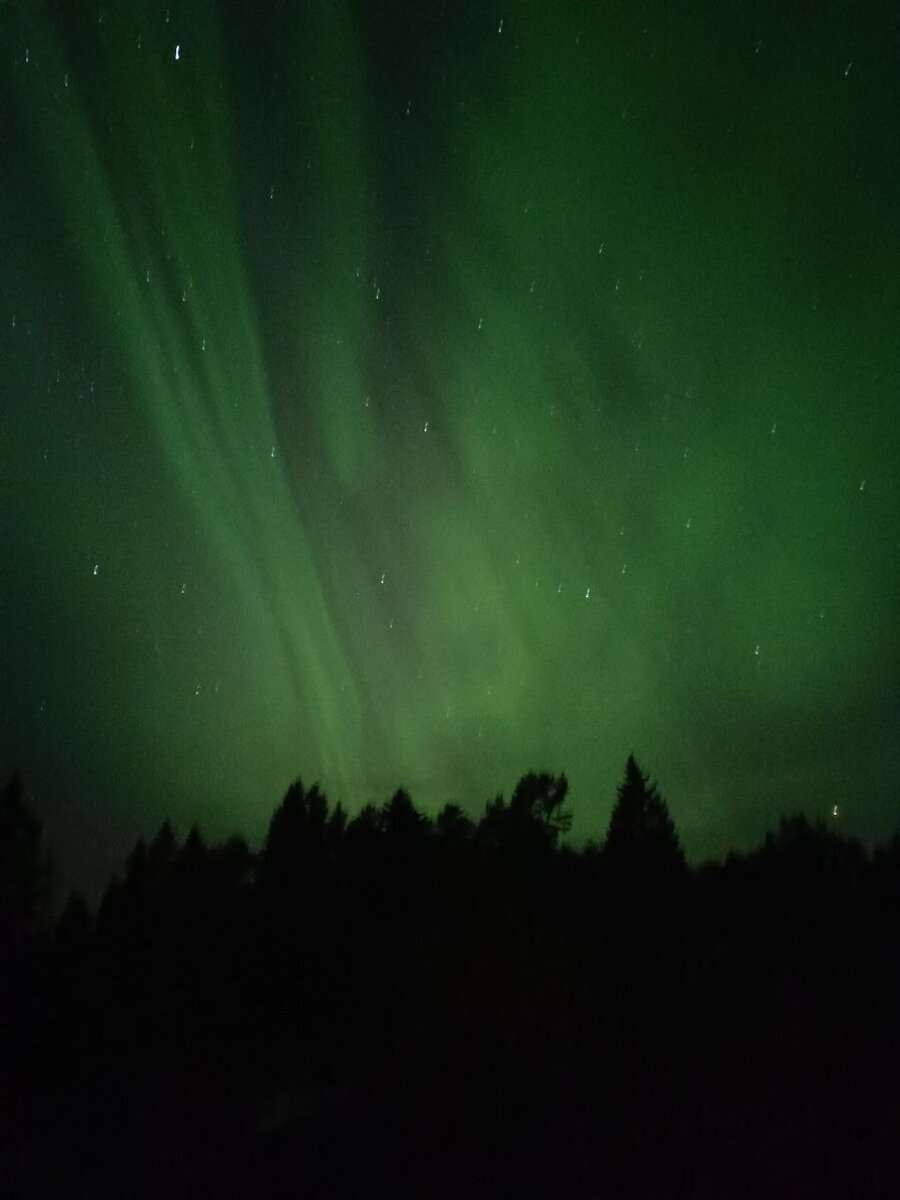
pixel 640 828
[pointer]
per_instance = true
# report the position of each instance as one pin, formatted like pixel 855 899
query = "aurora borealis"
pixel 401 393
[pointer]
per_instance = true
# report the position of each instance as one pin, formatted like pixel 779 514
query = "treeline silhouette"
pixel 393 1005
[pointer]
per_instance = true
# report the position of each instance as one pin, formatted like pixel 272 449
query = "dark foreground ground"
pixel 486 1136
pixel 395 1008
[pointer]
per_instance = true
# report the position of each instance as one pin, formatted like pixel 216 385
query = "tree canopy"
pixel 641 837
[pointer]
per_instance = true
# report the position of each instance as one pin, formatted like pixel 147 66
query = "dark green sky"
pixel 401 393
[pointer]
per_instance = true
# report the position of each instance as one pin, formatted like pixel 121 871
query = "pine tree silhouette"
pixel 24 867
pixel 642 838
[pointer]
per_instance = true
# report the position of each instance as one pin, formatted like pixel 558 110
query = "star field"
pixel 422 394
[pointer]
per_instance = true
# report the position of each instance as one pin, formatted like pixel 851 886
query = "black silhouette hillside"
pixel 386 1004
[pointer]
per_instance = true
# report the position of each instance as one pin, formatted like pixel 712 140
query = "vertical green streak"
pixel 188 337
pixel 338 280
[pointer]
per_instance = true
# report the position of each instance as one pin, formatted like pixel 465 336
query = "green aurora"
pixel 422 394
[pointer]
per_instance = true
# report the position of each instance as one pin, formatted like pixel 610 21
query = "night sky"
pixel 417 393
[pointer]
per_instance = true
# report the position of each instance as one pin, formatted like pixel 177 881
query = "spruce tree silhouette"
pixel 292 863
pixel 24 866
pixel 453 825
pixel 644 868
pixel 73 928
pixel 810 854
pixel 641 839
pixel 162 853
pixel 336 826
pixel 401 820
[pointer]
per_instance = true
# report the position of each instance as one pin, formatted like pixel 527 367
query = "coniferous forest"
pixel 390 1005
